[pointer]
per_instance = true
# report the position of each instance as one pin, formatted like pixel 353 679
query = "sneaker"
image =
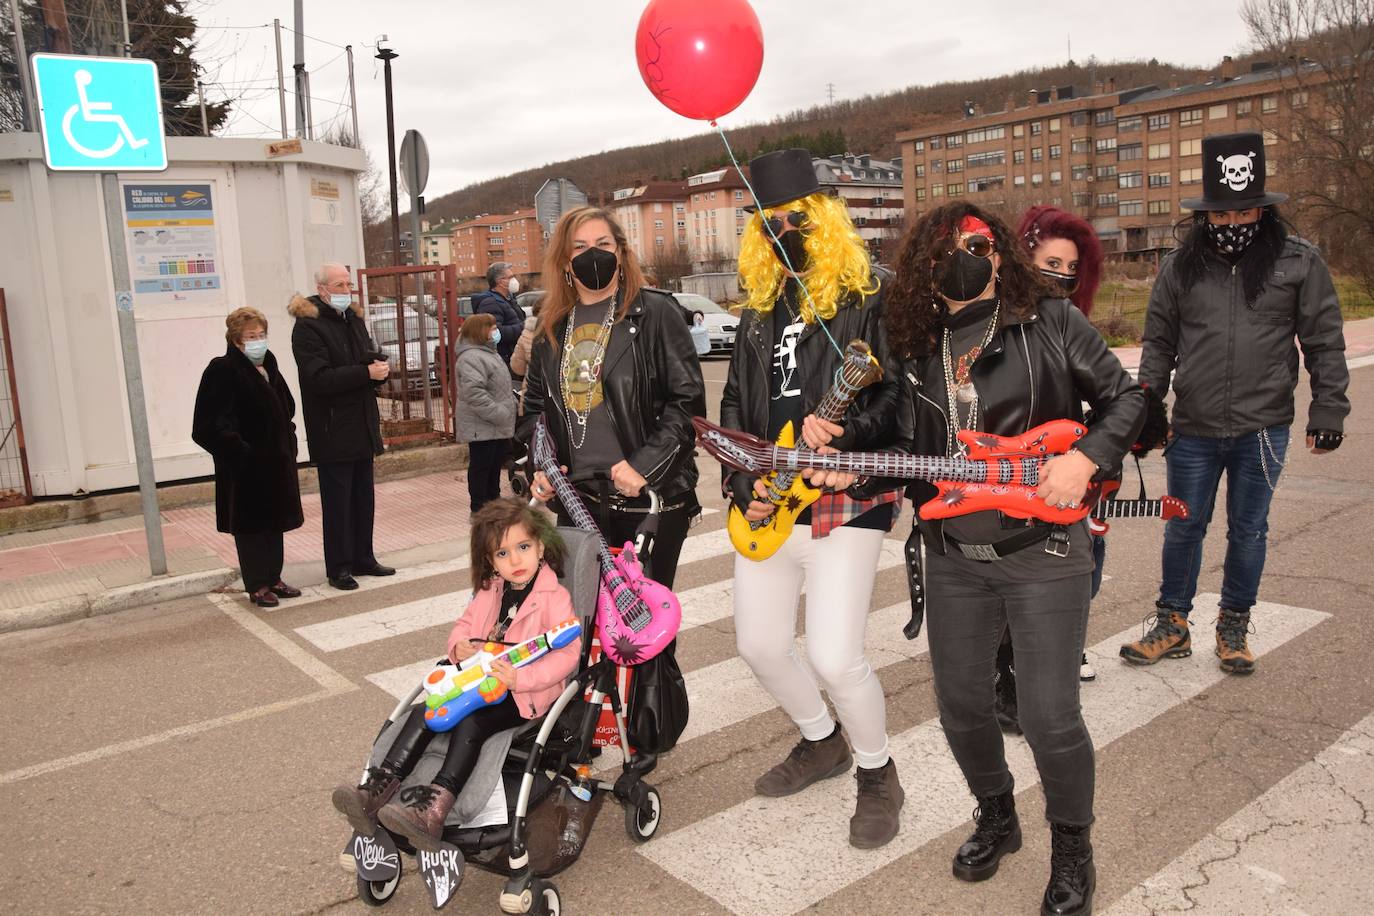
pixel 875 822
pixel 360 804
pixel 1167 638
pixel 1232 647
pixel 809 762
pixel 418 815
pixel 1085 670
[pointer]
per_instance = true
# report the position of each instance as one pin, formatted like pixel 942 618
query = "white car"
pixel 720 324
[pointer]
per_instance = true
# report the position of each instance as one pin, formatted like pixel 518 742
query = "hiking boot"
pixel 1167 638
pixel 360 804
pixel 810 761
pixel 1004 702
pixel 1235 654
pixel 875 814
pixel 418 815
pixel 996 833
pixel 1073 877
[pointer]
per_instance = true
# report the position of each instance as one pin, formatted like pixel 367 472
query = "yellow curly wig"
pixel 838 258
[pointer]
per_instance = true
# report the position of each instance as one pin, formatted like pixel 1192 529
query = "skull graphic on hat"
pixel 1237 171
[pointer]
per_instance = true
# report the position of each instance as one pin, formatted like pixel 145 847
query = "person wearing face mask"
pixel 484 415
pixel 499 302
pixel 1224 313
pixel 340 368
pixel 243 418
pixel 985 346
pixel 785 359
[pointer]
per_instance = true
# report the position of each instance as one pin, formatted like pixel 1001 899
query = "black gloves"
pixel 742 489
pixel 1327 440
pixel 1156 429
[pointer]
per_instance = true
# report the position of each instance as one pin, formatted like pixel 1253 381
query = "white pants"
pixel 839 572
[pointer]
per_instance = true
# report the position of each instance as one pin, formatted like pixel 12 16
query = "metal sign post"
pixel 105 115
pixel 414 176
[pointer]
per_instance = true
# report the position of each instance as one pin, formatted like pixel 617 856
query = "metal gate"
pixel 15 489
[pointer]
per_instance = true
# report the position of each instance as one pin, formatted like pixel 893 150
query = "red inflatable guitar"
pixel 1166 508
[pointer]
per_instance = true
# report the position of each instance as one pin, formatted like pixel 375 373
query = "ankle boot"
pixel 875 820
pixel 809 762
pixel 1073 877
pixel 997 833
pixel 418 815
pixel 1232 646
pixel 360 804
pixel 1004 702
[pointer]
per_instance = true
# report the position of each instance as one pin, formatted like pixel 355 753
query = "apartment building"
pixel 1123 159
pixel 436 246
pixel 715 218
pixel 654 216
pixel 516 238
pixel 872 192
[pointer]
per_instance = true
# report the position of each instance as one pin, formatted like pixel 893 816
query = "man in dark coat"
pixel 339 367
pixel 499 302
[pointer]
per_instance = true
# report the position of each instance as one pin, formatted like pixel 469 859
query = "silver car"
pixel 720 324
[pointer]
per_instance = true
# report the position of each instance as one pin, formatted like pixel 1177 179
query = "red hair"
pixel 1043 222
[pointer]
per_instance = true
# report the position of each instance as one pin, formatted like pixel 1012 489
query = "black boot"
pixel 1073 877
pixel 997 833
pixel 1004 704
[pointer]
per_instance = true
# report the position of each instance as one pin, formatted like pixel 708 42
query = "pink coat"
pixel 540 682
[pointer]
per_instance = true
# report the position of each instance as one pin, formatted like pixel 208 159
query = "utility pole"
pixel 299 66
pixel 55 27
pixel 281 81
pixel 353 98
pixel 830 92
pixel 386 56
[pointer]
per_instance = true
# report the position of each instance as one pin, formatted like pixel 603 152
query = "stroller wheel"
pixel 546 900
pixel 377 893
pixel 642 820
pixel 518 484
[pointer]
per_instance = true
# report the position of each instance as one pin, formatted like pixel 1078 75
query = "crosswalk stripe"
pixel 1270 842
pixel 783 855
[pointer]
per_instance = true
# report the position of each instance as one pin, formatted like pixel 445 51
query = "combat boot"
pixel 418 815
pixel 1004 702
pixel 1232 646
pixel 1073 877
pixel 997 831
pixel 810 761
pixel 874 822
pixel 360 804
pixel 1168 637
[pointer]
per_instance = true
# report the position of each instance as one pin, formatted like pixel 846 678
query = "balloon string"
pixel 777 242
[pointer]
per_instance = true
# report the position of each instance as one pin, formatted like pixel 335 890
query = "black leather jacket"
pixel 744 403
pixel 651 384
pixel 1035 369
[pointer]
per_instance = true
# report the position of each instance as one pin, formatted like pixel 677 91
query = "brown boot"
pixel 810 761
pixel 418 815
pixel 360 804
pixel 1232 646
pixel 1167 638
pixel 875 822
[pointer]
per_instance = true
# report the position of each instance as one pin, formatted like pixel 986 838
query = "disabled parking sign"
pixel 99 113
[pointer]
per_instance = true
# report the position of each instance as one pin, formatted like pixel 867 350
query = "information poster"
pixel 173 243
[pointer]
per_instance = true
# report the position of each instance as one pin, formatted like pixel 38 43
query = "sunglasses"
pixel 975 243
pixel 796 219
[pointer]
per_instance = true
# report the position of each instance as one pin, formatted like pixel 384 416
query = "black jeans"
pixel 464 743
pixel 484 470
pixel 619 527
pixel 260 559
pixel 966 614
pixel 347 506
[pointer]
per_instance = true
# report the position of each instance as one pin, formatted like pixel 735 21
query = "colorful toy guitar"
pixel 636 617
pixel 787 491
pixel 455 691
pixel 999 472
pixel 1166 508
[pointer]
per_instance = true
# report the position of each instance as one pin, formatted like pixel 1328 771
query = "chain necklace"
pixel 588 371
pixel 959 386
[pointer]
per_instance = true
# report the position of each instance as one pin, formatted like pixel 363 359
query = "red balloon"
pixel 700 58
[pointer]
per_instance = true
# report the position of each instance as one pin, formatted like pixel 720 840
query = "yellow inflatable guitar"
pixel 787 491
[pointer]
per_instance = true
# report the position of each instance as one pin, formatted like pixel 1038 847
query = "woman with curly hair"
pixel 988 347
pixel 786 356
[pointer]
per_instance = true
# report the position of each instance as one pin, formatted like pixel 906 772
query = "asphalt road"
pixel 179 758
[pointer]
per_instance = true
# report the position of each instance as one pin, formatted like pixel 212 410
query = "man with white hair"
pixel 339 367
pixel 499 302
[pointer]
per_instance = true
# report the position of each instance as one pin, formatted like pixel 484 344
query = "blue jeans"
pixel 1195 465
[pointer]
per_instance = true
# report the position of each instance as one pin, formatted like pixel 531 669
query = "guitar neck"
pixel 1129 508
pixel 887 464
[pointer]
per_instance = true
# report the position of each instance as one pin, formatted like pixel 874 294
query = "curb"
pixel 79 607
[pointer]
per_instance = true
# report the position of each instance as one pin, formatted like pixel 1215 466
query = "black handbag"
pixel 658 707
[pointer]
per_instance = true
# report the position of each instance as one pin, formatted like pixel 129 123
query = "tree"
pixel 670 265
pixel 1325 49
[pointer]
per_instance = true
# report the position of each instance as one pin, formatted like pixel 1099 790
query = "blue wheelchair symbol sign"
pixel 100 113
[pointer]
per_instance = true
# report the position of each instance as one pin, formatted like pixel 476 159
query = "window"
pixel 937 165
pixel 920 193
pixel 682 224
pixel 937 190
pixel 1105 144
pixel 1189 117
pixel 1271 136
pixel 1190 176
pixel 1190 147
pixel 953 189
pixel 1104 117
pixel 983 134
pixel 739 214
pixel 1081 145
pixel 1056 177
pixel 1269 168
pixel 1297 99
pixel 658 224
pixel 1130 208
pixel 1054 125
pixel 1105 171
pixel 1078 119
pixel 1130 180
pixel 1081 172
pixel 739 195
pixel 920 171
pixel 1159 179
pixel 1037 128
pixel 1056 151
pixel 954 165
pixel 1037 154
pixel 1019 181
pixel 1082 199
pixel 1159 121
pixel 1128 152
pixel 1269 104
pixel 934 142
pixel 658 241
pixel 954 140
pixel 712 195
pixel 1018 130
pixel 1018 157
pixel 1107 200
pixel 1244 106
pixel 985 184
pixel 978 160
pixel 1159 151
pixel 1217 112
pixel 919 147
pixel 1159 207
pixel 1125 124
pixel 1037 180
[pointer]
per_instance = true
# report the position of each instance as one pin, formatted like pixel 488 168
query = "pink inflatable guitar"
pixel 636 617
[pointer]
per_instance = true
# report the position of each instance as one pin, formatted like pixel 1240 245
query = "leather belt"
pixel 1056 538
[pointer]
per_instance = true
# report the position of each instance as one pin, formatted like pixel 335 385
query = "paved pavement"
pixel 179 757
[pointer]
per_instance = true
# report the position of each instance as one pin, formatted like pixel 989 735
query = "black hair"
pixel 1255 263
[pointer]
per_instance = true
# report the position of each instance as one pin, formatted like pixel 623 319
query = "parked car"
pixel 528 299
pixel 720 324
pixel 382 326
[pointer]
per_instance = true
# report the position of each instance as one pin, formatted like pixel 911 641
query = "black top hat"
pixel 1233 174
pixel 782 175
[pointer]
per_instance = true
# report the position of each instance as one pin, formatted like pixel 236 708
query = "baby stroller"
pixel 545 770
pixel 517 464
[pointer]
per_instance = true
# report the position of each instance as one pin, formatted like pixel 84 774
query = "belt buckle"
pixel 1057 544
pixel 983 553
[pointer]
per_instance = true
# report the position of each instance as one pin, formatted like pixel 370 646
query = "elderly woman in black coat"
pixel 243 418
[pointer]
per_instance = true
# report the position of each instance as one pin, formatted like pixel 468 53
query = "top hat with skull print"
pixel 1233 174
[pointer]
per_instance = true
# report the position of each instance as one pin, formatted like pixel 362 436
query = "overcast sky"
pixel 496 87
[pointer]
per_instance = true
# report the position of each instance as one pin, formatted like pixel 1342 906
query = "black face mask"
pixel 793 246
pixel 961 276
pixel 1232 239
pixel 1067 282
pixel 595 268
